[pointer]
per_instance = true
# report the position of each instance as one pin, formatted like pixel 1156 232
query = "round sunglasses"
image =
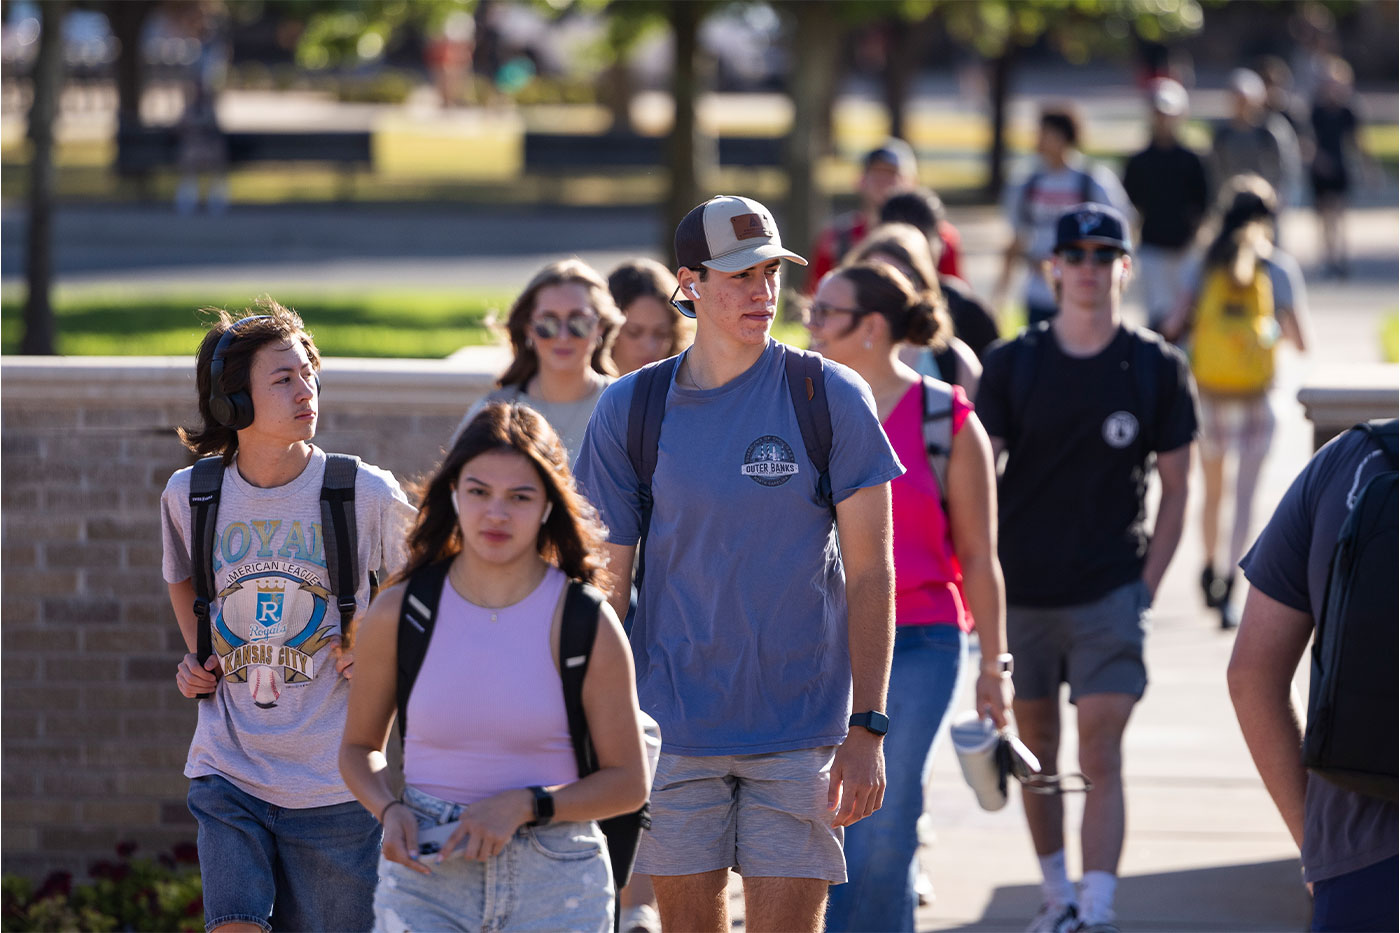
pixel 578 325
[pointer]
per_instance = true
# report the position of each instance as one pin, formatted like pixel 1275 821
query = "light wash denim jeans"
pixel 881 849
pixel 283 868
pixel 547 878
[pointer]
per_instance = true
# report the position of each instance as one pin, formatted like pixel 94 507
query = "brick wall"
pixel 94 732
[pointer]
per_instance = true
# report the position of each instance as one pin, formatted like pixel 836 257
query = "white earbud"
pixel 548 507
pixel 457 509
pixel 693 292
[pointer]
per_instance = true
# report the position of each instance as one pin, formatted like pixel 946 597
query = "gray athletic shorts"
pixel 1094 647
pixel 763 815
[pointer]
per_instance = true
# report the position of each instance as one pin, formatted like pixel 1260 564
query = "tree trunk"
pixel 48 82
pixel 1000 90
pixel 690 156
pixel 127 18
pixel 901 64
pixel 813 79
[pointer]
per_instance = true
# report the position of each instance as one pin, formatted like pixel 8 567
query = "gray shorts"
pixel 1094 647
pixel 763 815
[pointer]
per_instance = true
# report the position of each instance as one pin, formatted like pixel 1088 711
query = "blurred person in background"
pixel 973 321
pixel 203 149
pixel 653 328
pixel 1255 140
pixel 1060 179
pixel 561 329
pixel 1335 156
pixel 1238 300
pixel 886 170
pixel 906 249
pixel 946 573
pixel 1167 184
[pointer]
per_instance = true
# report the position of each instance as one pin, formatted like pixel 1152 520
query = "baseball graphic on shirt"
pixel 1120 429
pixel 272 621
pixel 266 684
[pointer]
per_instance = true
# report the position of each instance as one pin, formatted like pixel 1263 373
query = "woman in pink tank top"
pixel 488 763
pixel 944 564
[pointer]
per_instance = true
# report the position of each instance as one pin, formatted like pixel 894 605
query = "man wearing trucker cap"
pixel 1083 404
pixel 765 613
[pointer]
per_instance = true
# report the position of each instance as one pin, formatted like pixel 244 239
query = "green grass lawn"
pixel 429 324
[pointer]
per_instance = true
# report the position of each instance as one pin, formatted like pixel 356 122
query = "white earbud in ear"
pixel 456 509
pixel 548 507
pixel 693 292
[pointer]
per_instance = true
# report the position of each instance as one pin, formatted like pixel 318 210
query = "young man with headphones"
pixel 282 843
pixel 1084 405
pixel 765 607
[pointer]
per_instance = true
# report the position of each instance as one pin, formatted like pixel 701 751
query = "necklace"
pixel 459 584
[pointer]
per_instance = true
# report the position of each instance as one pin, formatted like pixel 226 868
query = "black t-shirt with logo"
pixel 1072 523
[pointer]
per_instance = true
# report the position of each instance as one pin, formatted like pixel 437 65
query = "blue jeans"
pixel 1364 899
pixel 547 878
pixel 283 869
pixel 881 849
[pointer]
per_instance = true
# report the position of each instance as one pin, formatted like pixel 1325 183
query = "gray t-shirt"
pixel 274 724
pixel 740 634
pixel 568 419
pixel 1342 831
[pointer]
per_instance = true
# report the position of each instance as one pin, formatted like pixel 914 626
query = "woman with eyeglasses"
pixel 945 564
pixel 653 329
pixel 561 328
pixel 904 247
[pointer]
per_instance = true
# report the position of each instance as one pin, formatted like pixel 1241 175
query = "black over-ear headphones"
pixel 233 410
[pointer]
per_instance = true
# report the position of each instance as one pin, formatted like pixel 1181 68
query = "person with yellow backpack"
pixel 1244 296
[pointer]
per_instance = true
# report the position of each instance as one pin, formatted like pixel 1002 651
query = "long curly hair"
pixel 572 537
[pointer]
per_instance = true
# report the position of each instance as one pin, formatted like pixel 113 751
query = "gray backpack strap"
pixel 938 432
pixel 338 532
pixel 206 483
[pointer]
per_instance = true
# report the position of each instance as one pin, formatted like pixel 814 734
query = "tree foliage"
pixel 1078 29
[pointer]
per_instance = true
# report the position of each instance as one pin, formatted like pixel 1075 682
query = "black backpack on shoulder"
pixel 578 629
pixel 1352 720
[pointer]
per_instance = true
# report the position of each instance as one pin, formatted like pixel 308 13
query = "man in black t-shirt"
pixel 1082 405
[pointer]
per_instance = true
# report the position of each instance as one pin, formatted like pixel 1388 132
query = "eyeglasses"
pixel 817 313
pixel 1102 255
pixel 548 327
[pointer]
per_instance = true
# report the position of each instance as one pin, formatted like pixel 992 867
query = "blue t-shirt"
pixel 1342 831
pixel 740 635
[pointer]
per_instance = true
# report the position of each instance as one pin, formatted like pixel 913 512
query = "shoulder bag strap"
pixel 938 432
pixel 206 483
pixel 644 439
pixel 417 615
pixel 807 386
pixel 577 631
pixel 338 533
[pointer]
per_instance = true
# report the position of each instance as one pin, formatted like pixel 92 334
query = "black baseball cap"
pixel 1092 223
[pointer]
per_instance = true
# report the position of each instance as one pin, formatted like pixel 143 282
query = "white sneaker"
pixel 1055 918
pixel 642 918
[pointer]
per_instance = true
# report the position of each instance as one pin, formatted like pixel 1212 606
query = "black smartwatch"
pixel 544 807
pixel 877 723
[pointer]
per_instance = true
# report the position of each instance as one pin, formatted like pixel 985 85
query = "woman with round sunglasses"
pixel 653 329
pixel 946 573
pixel 902 245
pixel 561 328
pixel 495 828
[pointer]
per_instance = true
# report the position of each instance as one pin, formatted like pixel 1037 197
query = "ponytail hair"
pixel 914 316
pixel 1248 208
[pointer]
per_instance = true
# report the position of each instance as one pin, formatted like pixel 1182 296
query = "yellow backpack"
pixel 1233 339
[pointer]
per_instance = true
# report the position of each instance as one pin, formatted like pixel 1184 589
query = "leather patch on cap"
pixel 748 226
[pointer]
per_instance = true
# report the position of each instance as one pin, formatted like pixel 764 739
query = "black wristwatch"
pixel 877 723
pixel 544 807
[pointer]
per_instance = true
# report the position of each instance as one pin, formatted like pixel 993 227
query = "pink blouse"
pixel 928 579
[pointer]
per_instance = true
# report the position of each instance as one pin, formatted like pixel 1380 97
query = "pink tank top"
pixel 487 710
pixel 927 576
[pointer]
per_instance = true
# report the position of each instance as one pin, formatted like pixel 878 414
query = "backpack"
pixel 1028 348
pixel 807 387
pixel 937 406
pixel 1234 334
pixel 337 533
pixel 1350 739
pixel 578 628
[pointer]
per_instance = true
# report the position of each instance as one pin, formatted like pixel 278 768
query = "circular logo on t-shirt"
pixel 769 461
pixel 1120 429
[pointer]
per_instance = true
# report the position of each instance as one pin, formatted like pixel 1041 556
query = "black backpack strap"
pixel 644 439
pixel 1026 352
pixel 338 533
pixel 807 386
pixel 417 615
pixel 1146 366
pixel 937 400
pixel 577 631
pixel 206 483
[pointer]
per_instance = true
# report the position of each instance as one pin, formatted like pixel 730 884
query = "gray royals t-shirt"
pixel 740 635
pixel 1342 831
pixel 274 724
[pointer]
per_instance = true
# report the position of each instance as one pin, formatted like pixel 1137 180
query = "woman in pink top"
pixel 487 743
pixel 946 573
